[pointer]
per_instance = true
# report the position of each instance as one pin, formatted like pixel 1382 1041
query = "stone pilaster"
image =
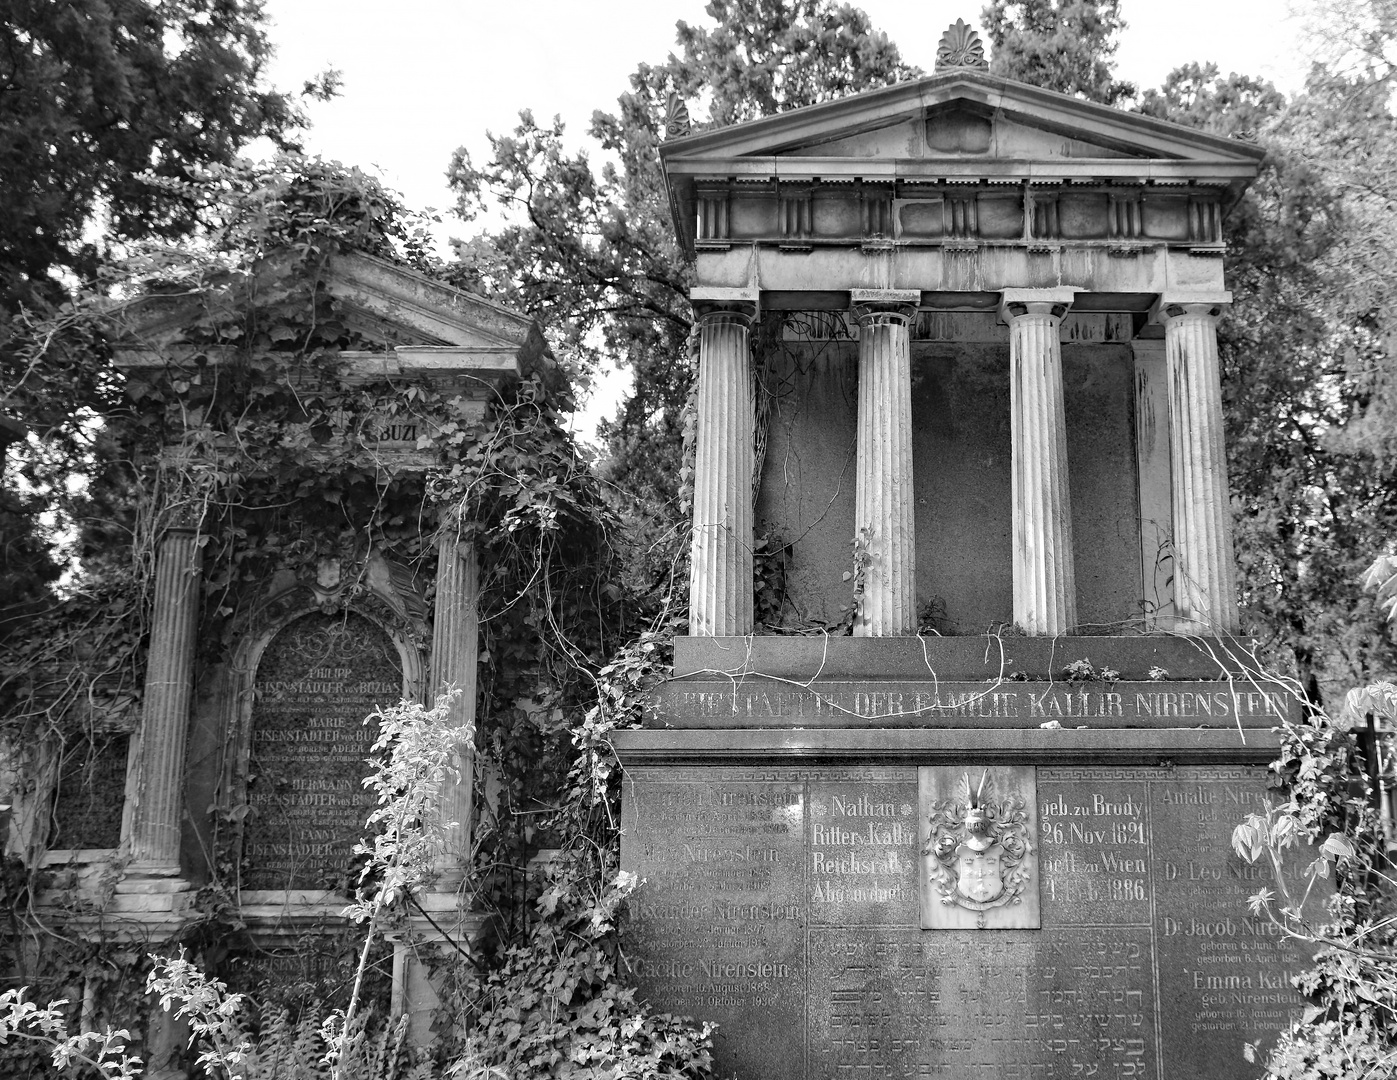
pixel 884 516
pixel 720 581
pixel 159 788
pixel 1205 587
pixel 455 653
pixel 1045 589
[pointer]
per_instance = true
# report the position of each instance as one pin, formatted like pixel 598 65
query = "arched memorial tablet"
pixel 316 682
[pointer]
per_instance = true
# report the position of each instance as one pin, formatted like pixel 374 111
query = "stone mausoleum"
pixel 240 767
pixel 965 329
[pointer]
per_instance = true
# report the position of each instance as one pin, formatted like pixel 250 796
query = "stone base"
pixel 983 656
pixel 798 811
pixel 791 893
pixel 155 892
pixel 436 931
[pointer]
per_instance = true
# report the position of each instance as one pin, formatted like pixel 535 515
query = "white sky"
pixel 422 77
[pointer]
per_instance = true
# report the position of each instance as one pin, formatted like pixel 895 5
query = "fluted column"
pixel 884 500
pixel 720 581
pixel 1045 588
pixel 159 790
pixel 1205 587
pixel 455 654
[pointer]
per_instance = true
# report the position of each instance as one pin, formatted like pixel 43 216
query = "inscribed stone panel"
pixel 317 682
pixel 806 946
pixel 721 915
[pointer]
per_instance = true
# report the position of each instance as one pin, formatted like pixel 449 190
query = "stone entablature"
pixel 467 347
pixel 956 157
pixel 1037 213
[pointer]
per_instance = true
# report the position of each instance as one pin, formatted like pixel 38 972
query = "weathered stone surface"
pixel 316 684
pixel 455 659
pixel 884 518
pixel 91 791
pixel 982 656
pixel 159 799
pixel 1205 590
pixel 759 702
pixel 720 593
pixel 782 901
pixel 1045 586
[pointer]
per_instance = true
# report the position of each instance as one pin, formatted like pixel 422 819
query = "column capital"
pixel 1171 305
pixel 1014 303
pixel 739 304
pixel 874 306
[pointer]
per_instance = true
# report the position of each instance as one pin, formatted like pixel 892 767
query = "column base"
pixel 449 929
pixel 152 888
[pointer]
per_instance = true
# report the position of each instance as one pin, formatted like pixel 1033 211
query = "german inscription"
pixel 757 702
pixel 317 682
pixel 723 908
pixel 809 946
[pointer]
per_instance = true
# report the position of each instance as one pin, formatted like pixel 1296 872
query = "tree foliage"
pixel 97 92
pixel 1307 357
pixel 592 250
pixel 101 101
pixel 1063 45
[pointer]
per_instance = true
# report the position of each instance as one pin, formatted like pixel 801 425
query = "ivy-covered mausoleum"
pixel 302 577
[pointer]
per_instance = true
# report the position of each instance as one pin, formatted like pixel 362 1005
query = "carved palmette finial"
pixel 676 117
pixel 960 47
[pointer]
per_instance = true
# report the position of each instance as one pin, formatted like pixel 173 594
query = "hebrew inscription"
pixel 317 682
pixel 809 947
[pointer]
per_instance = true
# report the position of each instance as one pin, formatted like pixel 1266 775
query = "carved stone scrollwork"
pixel 978 846
pixel 676 117
pixel 961 47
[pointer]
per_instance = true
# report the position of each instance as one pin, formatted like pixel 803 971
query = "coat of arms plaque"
pixel 979 830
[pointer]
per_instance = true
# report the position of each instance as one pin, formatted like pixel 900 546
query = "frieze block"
pixel 978 848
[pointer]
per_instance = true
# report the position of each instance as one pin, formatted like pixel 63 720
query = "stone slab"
pixel 928 745
pixel 982 656
pixel 90 792
pixel 781 900
pixel 316 685
pixel 757 701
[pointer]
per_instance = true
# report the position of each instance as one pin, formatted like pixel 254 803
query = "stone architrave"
pixel 720 594
pixel 1045 591
pixel 884 516
pixel 159 790
pixel 1205 591
pixel 455 654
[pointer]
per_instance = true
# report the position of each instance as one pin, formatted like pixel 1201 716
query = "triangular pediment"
pixel 959 113
pixel 387 304
pixel 958 132
pixel 412 321
pixel 958 127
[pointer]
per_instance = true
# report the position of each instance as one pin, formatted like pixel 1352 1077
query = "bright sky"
pixel 422 77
